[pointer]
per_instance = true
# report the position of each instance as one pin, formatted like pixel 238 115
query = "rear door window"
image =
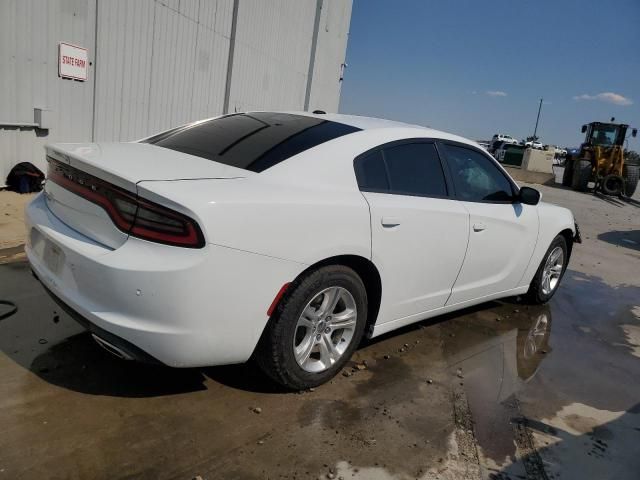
pixel 403 169
pixel 415 169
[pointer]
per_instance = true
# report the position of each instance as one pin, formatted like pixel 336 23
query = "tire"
pixel 538 293
pixel 567 175
pixel 631 174
pixel 581 175
pixel 276 354
pixel 613 185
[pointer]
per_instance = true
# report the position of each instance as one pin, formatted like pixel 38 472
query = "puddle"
pixel 494 354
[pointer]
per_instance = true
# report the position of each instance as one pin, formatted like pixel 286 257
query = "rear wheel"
pixel 315 329
pixel 581 175
pixel 630 173
pixel 550 272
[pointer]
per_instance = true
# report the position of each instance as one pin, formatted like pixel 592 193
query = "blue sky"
pixel 479 67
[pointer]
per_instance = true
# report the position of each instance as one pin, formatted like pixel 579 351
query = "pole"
pixel 535 130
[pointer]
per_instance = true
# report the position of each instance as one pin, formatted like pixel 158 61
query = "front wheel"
pixel 550 272
pixel 315 329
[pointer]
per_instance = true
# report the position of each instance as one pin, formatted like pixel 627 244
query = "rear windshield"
pixel 252 141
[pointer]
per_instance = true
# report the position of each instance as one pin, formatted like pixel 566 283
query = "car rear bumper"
pixel 181 307
pixel 116 345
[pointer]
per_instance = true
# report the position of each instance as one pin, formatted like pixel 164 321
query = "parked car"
pixel 533 144
pixel 284 237
pixel 499 137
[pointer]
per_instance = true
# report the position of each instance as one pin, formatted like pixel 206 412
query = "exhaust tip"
pixel 112 349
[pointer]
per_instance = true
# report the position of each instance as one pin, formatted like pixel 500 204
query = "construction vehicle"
pixel 600 159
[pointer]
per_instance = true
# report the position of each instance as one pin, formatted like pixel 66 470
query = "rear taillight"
pixel 129 212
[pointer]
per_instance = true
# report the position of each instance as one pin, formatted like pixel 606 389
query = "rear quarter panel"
pixel 305 213
pixel 302 224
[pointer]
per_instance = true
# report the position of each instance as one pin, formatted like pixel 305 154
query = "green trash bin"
pixel 512 155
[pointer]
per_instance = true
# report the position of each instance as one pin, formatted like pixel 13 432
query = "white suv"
pixel 536 145
pixel 499 137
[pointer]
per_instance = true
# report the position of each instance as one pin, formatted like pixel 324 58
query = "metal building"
pixel 118 70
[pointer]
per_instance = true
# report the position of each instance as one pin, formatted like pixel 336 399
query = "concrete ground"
pixel 11 218
pixel 500 391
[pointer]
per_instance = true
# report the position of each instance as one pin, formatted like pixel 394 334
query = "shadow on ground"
pixel 593 451
pixel 79 364
pixel 628 239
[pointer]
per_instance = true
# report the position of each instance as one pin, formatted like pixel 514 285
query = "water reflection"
pixel 516 344
pixel 535 344
pixel 495 355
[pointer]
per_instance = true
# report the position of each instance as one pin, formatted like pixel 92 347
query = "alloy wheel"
pixel 552 270
pixel 325 329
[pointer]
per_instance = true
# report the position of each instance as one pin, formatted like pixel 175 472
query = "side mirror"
pixel 529 196
pixel 584 129
pixel 634 132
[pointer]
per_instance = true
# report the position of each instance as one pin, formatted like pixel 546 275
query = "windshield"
pixel 604 134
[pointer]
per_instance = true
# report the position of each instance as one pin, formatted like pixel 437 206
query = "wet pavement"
pixel 502 391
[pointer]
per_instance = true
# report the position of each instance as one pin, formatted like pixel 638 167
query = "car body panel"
pixel 418 267
pixel 553 220
pixel 84 216
pixel 165 300
pixel 300 224
pixel 382 328
pixel 502 237
pixel 125 164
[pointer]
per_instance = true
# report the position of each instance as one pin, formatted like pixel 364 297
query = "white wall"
pixel 159 63
pixel 330 55
pixel 29 34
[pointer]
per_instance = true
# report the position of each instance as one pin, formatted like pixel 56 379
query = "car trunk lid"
pixel 122 166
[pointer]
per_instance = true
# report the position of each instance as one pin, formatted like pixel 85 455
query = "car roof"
pixel 372 123
pixel 363 123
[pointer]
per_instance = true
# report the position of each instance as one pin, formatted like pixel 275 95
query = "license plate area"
pixel 52 256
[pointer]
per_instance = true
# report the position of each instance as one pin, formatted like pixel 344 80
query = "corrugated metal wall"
pixel 330 53
pixel 272 53
pixel 160 63
pixel 29 34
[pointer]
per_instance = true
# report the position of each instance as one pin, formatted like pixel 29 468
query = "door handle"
pixel 478 227
pixel 389 222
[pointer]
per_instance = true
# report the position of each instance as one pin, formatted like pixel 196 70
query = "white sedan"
pixel 284 236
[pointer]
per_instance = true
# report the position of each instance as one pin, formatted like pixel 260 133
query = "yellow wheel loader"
pixel 600 159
